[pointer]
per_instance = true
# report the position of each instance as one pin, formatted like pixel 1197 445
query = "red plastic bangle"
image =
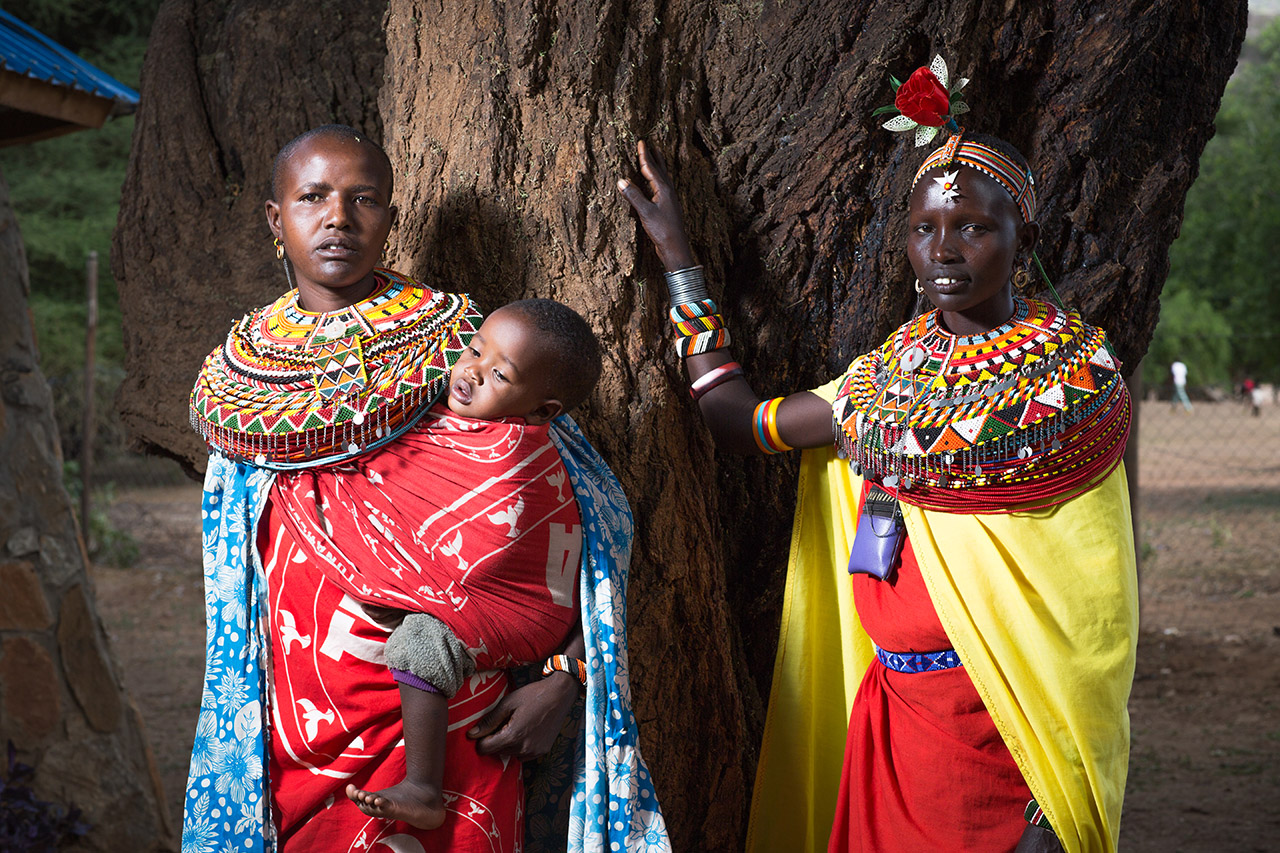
pixel 713 378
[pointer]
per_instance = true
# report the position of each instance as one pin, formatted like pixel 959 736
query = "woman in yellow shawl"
pixel 961 605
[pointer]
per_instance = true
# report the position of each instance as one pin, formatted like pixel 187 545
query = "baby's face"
pixel 503 373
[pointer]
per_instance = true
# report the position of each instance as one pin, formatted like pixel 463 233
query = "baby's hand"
pixel 660 211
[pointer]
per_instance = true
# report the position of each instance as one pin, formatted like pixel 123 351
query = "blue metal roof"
pixel 31 53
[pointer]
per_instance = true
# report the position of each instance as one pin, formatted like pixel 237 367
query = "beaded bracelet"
pixel 564 663
pixel 766 428
pixel 683 311
pixel 699 327
pixel 702 342
pixel 714 378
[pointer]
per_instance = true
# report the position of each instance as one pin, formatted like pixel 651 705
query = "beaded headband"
pixel 1017 181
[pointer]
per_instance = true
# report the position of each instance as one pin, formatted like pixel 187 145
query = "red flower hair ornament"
pixel 926 103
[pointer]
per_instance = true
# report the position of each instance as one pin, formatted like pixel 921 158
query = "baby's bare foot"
pixel 419 805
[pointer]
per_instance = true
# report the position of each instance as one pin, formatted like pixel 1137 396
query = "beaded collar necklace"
pixel 291 387
pixel 1034 409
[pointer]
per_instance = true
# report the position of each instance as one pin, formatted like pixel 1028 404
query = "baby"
pixel 530 360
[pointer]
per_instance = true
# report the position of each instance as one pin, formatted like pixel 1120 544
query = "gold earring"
pixel 1022 279
pixel 279 250
pixel 919 286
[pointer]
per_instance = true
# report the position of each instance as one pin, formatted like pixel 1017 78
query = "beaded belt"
pixel 918 662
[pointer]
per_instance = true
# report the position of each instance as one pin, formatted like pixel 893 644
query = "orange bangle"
pixel 765 428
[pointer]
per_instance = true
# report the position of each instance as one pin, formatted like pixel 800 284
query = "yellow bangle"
pixel 765 428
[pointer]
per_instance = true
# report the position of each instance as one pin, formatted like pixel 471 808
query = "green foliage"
pixel 1222 263
pixel 65 192
pixel 1193 332
pixel 60 336
pixel 107 544
pixel 79 25
pixel 64 213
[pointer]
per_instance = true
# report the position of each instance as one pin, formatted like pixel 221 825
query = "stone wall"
pixel 62 703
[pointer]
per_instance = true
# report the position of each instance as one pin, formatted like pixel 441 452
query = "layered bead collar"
pixel 291 387
pixel 1029 411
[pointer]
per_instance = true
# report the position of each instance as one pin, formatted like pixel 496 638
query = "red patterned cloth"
pixel 910 720
pixel 471 521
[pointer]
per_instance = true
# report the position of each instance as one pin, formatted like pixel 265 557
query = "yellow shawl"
pixel 1042 607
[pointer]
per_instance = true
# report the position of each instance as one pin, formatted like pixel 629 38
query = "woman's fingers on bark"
pixel 635 197
pixel 656 165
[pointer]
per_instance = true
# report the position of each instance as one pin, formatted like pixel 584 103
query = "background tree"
pixel 509 124
pixel 1222 279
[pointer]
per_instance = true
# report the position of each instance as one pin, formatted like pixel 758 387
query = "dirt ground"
pixel 1205 767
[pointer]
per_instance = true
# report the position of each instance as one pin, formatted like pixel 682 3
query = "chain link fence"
pixel 1208 502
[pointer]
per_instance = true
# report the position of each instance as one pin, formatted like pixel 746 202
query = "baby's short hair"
pixel 572 346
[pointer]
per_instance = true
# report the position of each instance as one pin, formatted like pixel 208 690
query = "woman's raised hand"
pixel 659 211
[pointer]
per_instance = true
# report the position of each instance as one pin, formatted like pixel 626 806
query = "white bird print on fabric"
pixel 510 515
pixel 313 716
pixel 289 633
pixel 557 479
pixel 454 549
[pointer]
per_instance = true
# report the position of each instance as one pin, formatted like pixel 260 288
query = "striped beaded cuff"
pixel 699 327
pixel 702 342
pixel 765 428
pixel 714 378
pixel 682 311
pixel 564 663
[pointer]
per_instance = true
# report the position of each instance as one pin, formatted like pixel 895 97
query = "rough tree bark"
pixel 62 704
pixel 509 124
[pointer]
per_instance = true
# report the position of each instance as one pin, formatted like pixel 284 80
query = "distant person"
pixel 1179 371
pixel 1257 395
pixel 1252 398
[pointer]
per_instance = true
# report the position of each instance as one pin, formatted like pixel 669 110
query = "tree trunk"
pixel 62 704
pixel 509 124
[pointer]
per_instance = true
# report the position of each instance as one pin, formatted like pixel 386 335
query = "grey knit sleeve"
pixel 424 646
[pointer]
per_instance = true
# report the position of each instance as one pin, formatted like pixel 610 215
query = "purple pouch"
pixel 877 545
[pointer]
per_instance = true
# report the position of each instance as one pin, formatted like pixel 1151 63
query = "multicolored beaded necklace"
pixel 1030 412
pixel 292 387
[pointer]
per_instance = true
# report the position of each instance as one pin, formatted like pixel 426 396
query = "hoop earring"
pixel 919 287
pixel 279 250
pixel 1022 279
